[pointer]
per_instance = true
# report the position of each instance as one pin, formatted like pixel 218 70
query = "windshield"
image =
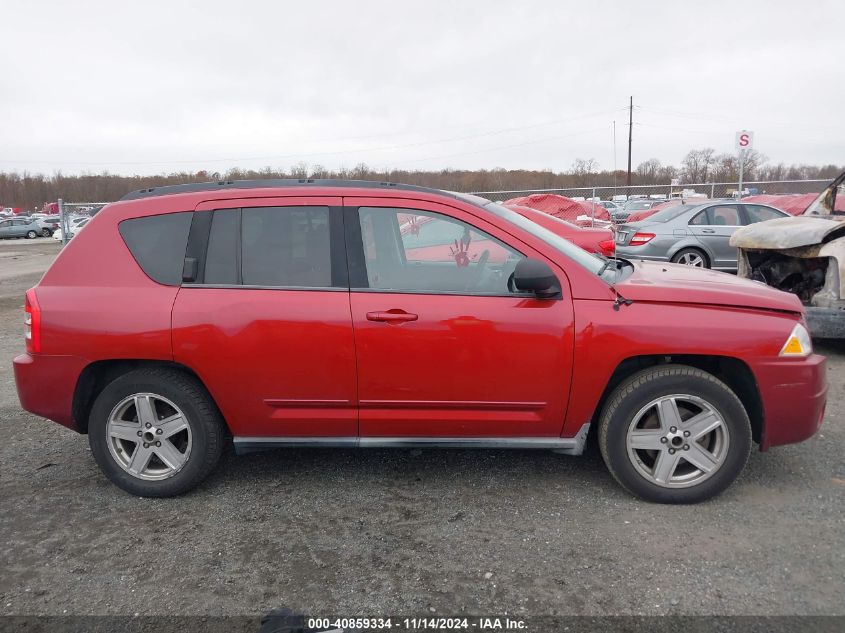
pixel 671 213
pixel 590 262
pixel 831 201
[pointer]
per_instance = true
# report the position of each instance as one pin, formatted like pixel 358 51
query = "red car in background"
pixel 561 207
pixel 429 239
pixel 592 240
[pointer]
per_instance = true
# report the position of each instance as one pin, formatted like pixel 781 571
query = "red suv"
pixel 301 313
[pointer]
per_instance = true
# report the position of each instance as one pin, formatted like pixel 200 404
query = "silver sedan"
pixel 695 235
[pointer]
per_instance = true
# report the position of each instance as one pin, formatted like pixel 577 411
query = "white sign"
pixel 744 139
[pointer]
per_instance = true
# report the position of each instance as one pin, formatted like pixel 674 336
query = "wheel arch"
pixel 95 376
pixel 735 373
pixel 690 243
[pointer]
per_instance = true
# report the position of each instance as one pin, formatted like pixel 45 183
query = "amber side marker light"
pixel 798 344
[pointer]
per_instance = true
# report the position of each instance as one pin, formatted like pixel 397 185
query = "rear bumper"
pixel 636 253
pixel 46 385
pixel 794 395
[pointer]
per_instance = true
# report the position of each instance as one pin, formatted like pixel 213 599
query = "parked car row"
pixel 692 234
pixel 23 227
pixel 30 227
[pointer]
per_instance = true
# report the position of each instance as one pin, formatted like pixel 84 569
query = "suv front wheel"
pixel 156 432
pixel 674 434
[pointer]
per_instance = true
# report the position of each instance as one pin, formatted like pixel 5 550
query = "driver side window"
pixel 406 250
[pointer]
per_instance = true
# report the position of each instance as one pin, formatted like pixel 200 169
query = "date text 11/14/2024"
pixel 491 623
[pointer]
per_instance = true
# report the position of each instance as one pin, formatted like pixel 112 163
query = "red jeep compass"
pixel 310 313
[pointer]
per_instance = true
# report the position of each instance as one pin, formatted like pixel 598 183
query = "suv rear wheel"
pixel 156 432
pixel 674 434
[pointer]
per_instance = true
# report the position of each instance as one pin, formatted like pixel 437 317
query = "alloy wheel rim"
pixel 149 436
pixel 691 259
pixel 677 441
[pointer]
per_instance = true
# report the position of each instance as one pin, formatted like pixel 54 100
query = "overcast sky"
pixel 151 87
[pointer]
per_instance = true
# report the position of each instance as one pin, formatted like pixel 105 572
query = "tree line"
pixel 31 191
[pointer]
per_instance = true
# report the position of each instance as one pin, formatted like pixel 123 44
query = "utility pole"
pixel 614 155
pixel 630 130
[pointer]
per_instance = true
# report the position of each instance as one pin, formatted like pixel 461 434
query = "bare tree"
pixel 300 170
pixel 648 172
pixel 583 171
pixel 696 165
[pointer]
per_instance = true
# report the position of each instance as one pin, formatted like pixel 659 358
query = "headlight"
pixel 798 344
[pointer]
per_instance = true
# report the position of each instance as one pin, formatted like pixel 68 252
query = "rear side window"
pixel 280 247
pixel 158 244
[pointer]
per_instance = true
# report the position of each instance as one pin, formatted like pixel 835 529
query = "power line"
pixel 500 147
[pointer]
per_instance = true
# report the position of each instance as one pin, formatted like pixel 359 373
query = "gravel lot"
pixel 405 532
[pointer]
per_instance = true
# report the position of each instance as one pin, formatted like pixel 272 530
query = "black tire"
pixel 31 235
pixel 207 427
pixel 691 252
pixel 46 233
pixel 644 387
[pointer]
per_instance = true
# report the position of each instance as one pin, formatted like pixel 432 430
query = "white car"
pixel 75 227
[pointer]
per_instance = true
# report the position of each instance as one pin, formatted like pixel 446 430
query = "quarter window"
pixel 158 243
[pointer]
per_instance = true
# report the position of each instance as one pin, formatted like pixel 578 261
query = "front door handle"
pixel 392 316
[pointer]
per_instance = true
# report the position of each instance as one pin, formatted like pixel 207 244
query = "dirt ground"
pixel 405 532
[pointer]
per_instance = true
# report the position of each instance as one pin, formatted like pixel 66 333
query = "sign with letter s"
pixel 744 139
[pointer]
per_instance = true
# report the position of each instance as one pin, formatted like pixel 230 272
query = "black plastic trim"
pixel 566 445
pixel 198 243
pixel 245 287
pixel 273 183
pixel 356 264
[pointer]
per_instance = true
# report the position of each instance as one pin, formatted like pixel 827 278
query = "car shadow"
pixel 398 467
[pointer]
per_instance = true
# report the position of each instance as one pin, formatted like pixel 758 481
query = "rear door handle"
pixel 392 316
pixel 708 230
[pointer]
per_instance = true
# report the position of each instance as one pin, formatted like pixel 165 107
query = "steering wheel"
pixel 480 269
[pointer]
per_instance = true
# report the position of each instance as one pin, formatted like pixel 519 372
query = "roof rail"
pixel 274 183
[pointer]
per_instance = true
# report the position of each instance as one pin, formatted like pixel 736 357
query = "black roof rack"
pixel 272 183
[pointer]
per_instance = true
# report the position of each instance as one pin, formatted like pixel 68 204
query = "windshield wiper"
pixel 606 265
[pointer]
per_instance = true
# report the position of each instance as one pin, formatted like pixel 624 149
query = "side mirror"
pixel 532 275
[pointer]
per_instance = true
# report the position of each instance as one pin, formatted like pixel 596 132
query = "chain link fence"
pixel 70 212
pixel 708 189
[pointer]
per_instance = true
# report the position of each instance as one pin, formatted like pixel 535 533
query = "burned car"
pixel 804 255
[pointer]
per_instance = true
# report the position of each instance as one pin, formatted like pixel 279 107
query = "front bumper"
pixel 825 322
pixel 794 395
pixel 46 385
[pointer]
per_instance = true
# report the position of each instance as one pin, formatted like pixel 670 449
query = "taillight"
pixel 33 322
pixel 641 238
pixel 608 247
